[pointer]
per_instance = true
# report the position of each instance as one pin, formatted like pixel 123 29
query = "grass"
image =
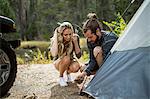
pixel 42 45
pixel 36 52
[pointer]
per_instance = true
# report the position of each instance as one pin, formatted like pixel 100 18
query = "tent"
pixel 126 72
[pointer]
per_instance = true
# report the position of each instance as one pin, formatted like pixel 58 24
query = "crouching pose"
pixel 99 44
pixel 64 44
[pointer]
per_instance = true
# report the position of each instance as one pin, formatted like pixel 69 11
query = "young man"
pixel 99 44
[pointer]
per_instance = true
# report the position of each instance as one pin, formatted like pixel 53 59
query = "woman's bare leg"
pixel 74 67
pixel 62 65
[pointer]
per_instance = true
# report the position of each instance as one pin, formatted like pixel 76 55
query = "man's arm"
pixel 92 63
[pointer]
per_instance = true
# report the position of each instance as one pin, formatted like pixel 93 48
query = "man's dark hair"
pixel 91 23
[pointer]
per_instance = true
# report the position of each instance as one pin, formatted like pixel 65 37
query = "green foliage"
pixel 20 60
pixel 36 52
pixel 116 26
pixel 34 57
pixel 40 58
pixel 5 9
pixel 121 5
pixel 46 36
pixel 42 45
pixel 85 57
pixel 37 19
pixel 33 52
pixel 83 45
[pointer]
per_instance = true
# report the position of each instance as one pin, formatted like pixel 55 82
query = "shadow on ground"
pixel 69 92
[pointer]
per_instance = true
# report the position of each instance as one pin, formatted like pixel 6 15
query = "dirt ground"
pixel 41 82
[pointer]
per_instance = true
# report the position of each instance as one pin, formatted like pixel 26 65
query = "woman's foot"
pixel 69 78
pixel 62 82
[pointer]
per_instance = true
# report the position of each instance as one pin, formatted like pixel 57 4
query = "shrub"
pixel 117 26
pixel 42 45
pixel 34 57
pixel 85 57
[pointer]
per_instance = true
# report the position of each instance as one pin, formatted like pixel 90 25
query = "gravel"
pixel 39 81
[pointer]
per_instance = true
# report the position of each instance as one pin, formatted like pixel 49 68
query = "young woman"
pixel 63 44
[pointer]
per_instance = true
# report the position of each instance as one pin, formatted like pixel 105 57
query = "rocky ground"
pixel 40 82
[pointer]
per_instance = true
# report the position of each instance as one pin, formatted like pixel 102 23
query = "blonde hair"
pixel 67 48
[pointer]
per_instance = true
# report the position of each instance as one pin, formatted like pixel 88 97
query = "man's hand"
pixel 80 78
pixel 83 74
pixel 82 67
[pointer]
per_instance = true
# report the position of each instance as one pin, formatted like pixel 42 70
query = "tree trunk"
pixel 22 18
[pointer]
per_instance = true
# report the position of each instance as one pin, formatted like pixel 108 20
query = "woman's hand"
pixel 75 38
pixel 76 43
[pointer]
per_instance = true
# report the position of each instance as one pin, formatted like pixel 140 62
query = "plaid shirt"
pixel 106 42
